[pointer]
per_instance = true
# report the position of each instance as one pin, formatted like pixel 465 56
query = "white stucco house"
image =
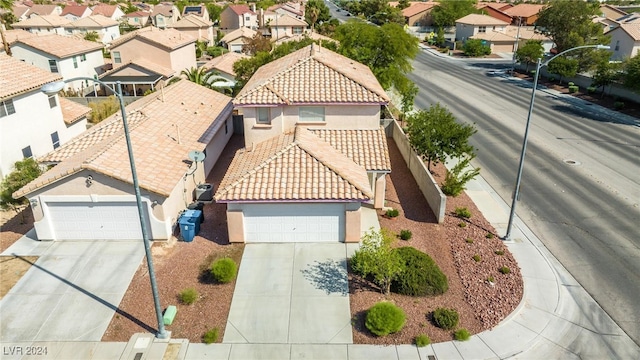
pixel 625 41
pixel 75 12
pixel 196 27
pixel 315 154
pixel 285 25
pixel 65 55
pixel 474 24
pixel 107 29
pixel 89 194
pixel 31 122
pixel 43 24
pixel 164 15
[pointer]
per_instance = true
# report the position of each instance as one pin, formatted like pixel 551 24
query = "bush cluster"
pixel 421 275
pixel 422 340
pixel 224 270
pixel 489 236
pixel 462 335
pixel 385 318
pixel 445 318
pixel 477 258
pixel 210 336
pixel 188 296
pixel 392 213
pixel 505 270
pixel 405 234
pixel 469 240
pixel 463 212
pixel 573 89
pixel 499 252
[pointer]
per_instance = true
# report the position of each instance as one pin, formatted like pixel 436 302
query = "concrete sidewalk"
pixel 556 319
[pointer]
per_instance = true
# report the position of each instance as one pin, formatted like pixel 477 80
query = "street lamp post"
pixel 54 88
pixel 516 192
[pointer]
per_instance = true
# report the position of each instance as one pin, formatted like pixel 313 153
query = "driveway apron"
pixel 71 292
pixel 294 293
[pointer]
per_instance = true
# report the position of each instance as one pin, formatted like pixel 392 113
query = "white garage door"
pixel 294 223
pixel 94 221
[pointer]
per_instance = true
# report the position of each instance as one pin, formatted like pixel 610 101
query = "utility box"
pixel 204 193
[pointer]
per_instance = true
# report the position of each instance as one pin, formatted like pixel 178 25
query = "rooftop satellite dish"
pixel 196 156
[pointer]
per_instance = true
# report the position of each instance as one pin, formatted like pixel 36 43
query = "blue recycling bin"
pixel 197 215
pixel 189 227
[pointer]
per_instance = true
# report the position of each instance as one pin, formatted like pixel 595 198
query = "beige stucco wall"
pixel 353 221
pixel 184 58
pixel 235 224
pixel 627 47
pixel 217 145
pixel 286 118
pixel 178 59
pixel 379 191
pixel 229 19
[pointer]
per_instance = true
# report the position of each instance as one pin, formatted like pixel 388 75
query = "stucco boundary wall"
pixel 585 81
pixel 428 186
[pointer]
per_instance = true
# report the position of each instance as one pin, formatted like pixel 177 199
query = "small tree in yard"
pixel 455 180
pixel 531 51
pixel 475 47
pixel 632 73
pixel 606 73
pixel 377 258
pixel 435 135
pixel 25 171
pixel 565 67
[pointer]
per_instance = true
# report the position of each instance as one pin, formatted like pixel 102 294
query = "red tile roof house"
pixel 89 195
pixel 75 12
pixel 238 16
pixel 31 122
pixel 315 154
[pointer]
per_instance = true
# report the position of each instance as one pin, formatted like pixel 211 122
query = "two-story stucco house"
pixel 164 15
pixel 75 12
pixel 31 122
pixel 286 26
pixel 236 39
pixel 238 16
pixel 196 27
pixel 106 28
pixel 113 12
pixel 65 55
pixel 45 24
pixel 474 24
pixel 89 195
pixel 625 41
pixel 138 19
pixel 315 154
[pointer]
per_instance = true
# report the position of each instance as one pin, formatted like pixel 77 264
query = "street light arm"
pixel 54 87
pixel 599 47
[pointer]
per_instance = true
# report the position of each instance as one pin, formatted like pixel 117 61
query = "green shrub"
pixel 573 89
pixel 489 236
pixel 571 83
pixel 469 241
pixel 618 105
pixel 445 318
pixel 591 89
pixel 210 336
pixel 421 275
pixel 475 47
pixel 499 252
pixel 463 212
pixel 224 270
pixel 188 296
pixel 455 179
pixel 405 234
pixel 491 279
pixel 391 213
pixel 462 224
pixel 477 258
pixel 385 318
pixel 462 335
pixel 422 340
pixel 505 270
pixel 101 110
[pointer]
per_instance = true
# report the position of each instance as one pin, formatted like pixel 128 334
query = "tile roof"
pixel 288 20
pixel 298 37
pixel 302 77
pixel 162 9
pixel 51 21
pixel 293 167
pixel 238 33
pixel 72 111
pixel 144 63
pixel 94 21
pixel 44 9
pixel 137 14
pixel 224 62
pixel 165 126
pixel 19 11
pixel 368 148
pixel 240 9
pixel 104 9
pixel 632 29
pixel 76 10
pixel 494 36
pixel 191 21
pixel 15 34
pixel 18 77
pixel 61 46
pixel 416 8
pixel 494 5
pixel 524 10
pixel 526 33
pixel 478 19
pixel 170 39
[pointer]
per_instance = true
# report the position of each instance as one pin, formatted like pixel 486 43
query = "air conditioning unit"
pixel 204 193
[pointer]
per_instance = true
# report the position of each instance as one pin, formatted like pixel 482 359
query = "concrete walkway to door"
pixel 292 293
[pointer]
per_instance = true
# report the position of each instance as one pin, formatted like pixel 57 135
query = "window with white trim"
pixel 55 140
pixel 311 114
pixel 52 101
pixel 7 108
pixel 83 57
pixel 482 29
pixel 27 153
pixel 53 66
pixel 297 30
pixel 116 57
pixel 75 62
pixel 263 115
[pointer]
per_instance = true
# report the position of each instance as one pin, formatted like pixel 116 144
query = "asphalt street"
pixel 580 190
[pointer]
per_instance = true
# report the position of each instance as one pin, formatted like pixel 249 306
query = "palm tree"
pixel 199 76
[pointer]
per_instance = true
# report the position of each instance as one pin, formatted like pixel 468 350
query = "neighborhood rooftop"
pixel 170 39
pixel 60 46
pixel 18 77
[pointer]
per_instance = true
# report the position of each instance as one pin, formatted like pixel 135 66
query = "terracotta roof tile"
pixel 94 21
pixel 18 77
pixel 15 34
pixel 51 21
pixel 238 33
pixel 302 77
pixel 524 10
pixel 294 167
pixel 416 8
pixel 162 134
pixel 240 9
pixel 44 9
pixel 104 9
pixel 288 20
pixel 493 36
pixel 478 19
pixel 162 9
pixel 76 10
pixel 368 148
pixel 168 38
pixel 224 62
pixel 61 46
pixel 633 29
pixel 191 21
pixel 72 111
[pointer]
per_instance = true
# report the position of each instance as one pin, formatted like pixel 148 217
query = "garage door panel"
pixel 95 221
pixel 294 223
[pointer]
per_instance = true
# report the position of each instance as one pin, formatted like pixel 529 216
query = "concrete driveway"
pixel 71 292
pixel 292 293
